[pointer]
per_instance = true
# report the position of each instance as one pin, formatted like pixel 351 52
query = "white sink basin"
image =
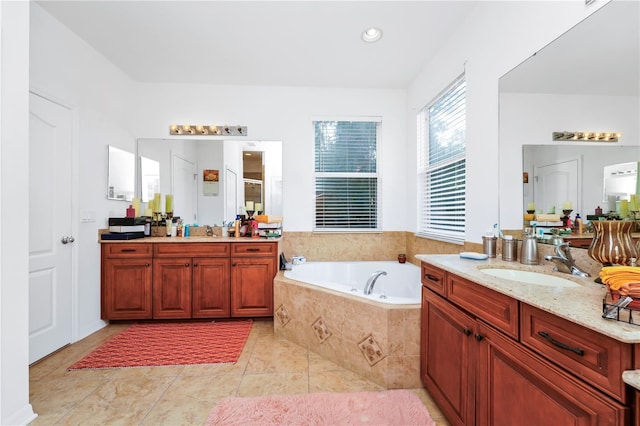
pixel 529 277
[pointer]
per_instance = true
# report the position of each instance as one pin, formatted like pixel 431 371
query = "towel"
pixel 623 279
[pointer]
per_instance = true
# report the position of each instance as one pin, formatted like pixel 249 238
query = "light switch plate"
pixel 87 216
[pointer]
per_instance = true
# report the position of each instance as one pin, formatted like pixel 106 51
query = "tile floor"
pixel 182 395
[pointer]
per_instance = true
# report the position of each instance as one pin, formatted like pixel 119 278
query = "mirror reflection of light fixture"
pixel 208 129
pixel 587 136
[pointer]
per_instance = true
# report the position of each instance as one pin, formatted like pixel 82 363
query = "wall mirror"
pixel 585 80
pixel 121 174
pixel 184 166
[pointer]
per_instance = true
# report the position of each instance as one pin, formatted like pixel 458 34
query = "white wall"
pixel 286 114
pixel 14 232
pixel 495 38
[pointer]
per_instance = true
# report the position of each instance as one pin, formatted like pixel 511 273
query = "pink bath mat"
pixel 391 407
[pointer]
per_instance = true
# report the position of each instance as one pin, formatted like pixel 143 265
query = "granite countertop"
pixel 581 305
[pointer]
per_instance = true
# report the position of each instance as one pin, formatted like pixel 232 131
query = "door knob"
pixel 67 239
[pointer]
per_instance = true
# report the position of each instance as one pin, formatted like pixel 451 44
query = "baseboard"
pixel 23 416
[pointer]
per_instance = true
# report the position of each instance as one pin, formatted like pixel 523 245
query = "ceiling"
pixel 267 43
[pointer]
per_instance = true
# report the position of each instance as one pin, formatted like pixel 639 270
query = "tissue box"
pixel 298 260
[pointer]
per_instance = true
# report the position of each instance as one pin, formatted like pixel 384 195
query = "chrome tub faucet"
pixel 368 288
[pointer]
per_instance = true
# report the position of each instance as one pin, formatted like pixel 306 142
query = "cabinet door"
pixel 252 286
pixel 211 294
pixel 172 288
pixel 447 357
pixel 126 289
pixel 518 387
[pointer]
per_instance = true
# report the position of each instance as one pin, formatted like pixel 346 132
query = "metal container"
pixel 489 246
pixel 529 250
pixel 510 250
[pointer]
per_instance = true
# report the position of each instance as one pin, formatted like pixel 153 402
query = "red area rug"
pixel 392 407
pixel 151 345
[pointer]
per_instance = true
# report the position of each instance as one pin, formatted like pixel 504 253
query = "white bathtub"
pixel 401 285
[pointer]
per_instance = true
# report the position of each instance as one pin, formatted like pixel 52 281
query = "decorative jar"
pixel 612 242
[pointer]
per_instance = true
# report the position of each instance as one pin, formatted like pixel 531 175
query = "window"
pixel 346 175
pixel 441 166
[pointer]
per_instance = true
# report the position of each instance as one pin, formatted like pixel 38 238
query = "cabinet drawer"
pixel 434 279
pixel 191 249
pixel 253 249
pixel 127 250
pixel 593 357
pixel 497 309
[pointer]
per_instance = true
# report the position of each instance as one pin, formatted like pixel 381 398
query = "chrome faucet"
pixel 368 288
pixel 563 256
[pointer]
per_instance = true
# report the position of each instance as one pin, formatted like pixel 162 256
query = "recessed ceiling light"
pixel 372 34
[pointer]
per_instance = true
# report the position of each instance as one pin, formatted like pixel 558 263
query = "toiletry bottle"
pixel 168 227
pixel 578 223
pixel 131 212
pixel 237 224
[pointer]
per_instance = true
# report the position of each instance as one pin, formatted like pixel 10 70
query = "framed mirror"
pixel 121 174
pixel 192 201
pixel 571 84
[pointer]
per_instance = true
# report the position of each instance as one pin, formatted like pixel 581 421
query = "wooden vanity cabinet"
pixel 253 268
pixel 517 387
pixel 190 280
pixel 478 372
pixel 126 274
pixel 447 361
pixel 182 280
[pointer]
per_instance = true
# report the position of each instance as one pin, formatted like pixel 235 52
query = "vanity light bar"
pixel 586 136
pixel 211 129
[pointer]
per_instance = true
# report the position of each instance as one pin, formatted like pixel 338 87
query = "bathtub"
pixel 321 306
pixel 401 285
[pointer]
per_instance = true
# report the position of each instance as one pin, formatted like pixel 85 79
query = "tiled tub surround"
pixel 380 342
pixel 324 246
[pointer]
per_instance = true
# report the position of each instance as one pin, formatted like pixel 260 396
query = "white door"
pixel 184 188
pixel 50 239
pixel 555 184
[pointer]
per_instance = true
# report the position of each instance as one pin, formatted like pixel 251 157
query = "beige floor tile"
pixel 184 395
pixel 274 384
pixel 124 401
pixel 340 381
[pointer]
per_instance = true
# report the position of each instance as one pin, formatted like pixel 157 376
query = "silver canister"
pixel 529 249
pixel 510 250
pixel 489 246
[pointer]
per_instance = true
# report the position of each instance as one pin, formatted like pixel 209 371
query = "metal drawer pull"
pixel 467 332
pixel 431 277
pixel 128 250
pixel 560 344
pixel 253 249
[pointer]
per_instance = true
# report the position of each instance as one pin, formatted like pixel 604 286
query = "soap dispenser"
pixel 529 250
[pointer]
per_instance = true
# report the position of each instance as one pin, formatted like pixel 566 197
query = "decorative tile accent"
pixel 371 350
pixel 321 330
pixel 282 315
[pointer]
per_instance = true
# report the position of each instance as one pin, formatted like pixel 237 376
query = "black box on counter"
pixel 126 221
pixel 122 236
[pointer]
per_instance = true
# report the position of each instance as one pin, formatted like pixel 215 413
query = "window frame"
pixel 424 221
pixel 376 175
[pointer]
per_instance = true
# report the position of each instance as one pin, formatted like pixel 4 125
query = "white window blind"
pixel 441 166
pixel 346 175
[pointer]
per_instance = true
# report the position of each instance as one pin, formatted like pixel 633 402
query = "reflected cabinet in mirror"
pixel 184 169
pixel 586 80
